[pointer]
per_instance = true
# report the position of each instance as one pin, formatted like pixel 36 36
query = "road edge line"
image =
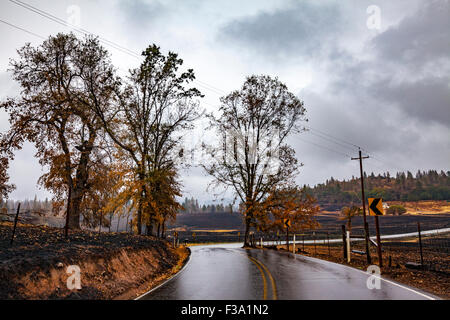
pixel 167 280
pixel 425 294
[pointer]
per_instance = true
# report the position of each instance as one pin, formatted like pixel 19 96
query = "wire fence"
pixel 429 251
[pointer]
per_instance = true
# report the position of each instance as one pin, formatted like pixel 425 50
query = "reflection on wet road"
pixel 232 273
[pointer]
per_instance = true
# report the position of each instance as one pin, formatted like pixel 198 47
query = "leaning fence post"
pixel 328 241
pixel 420 244
pixel 314 239
pixel 344 242
pixel 15 224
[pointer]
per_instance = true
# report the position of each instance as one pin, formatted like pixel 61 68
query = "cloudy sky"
pixel 371 73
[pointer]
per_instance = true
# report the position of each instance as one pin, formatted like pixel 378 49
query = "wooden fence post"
pixel 420 244
pixel 15 224
pixel 344 241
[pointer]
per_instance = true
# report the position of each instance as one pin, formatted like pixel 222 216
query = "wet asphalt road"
pixel 228 272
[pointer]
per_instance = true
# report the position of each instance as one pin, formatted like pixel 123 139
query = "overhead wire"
pixel 316 132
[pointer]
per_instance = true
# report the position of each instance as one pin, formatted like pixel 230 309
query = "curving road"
pixel 228 272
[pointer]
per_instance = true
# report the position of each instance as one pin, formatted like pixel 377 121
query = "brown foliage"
pixel 252 157
pixel 63 81
pixel 287 203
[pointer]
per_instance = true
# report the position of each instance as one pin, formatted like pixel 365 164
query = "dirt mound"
pixel 35 267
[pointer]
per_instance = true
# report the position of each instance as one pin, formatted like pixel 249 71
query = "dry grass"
pixel 215 230
pixel 424 207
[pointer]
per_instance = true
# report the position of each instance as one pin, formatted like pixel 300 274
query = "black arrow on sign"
pixel 286 223
pixel 373 206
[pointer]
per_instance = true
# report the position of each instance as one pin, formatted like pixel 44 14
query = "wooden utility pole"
pixel 366 229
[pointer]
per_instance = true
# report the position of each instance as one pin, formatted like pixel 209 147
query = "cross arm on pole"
pixel 366 157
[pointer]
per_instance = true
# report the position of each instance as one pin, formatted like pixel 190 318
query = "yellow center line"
pixel 263 276
pixel 274 287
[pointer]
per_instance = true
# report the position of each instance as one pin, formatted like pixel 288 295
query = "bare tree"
pixel 252 157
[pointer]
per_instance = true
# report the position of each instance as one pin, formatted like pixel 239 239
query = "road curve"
pixel 228 272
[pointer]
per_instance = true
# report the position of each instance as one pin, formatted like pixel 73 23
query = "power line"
pixel 101 39
pixel 211 87
pixel 79 30
pixel 338 141
pixel 326 148
pixel 334 137
pixel 330 140
pixel 22 29
pixel 321 134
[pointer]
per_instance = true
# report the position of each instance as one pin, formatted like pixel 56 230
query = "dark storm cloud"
pixel 419 38
pixel 414 45
pixel 425 100
pixel 401 73
pixel 302 29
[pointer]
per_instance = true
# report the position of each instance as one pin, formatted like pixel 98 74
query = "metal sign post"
pixel 376 209
pixel 287 223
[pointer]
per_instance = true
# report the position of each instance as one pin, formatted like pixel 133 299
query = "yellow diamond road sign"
pixel 376 207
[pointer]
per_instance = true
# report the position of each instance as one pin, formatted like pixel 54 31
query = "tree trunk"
pixel 247 231
pixel 139 216
pixel 149 229
pixel 142 195
pixel 81 184
pixel 74 211
pixel 68 210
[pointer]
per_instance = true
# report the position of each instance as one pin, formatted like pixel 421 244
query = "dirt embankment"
pixel 111 266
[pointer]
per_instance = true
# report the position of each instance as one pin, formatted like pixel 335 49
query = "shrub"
pixel 396 209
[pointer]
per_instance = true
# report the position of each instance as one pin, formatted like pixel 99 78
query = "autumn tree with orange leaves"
pixel 287 203
pixel 5 187
pixel 155 108
pixel 63 81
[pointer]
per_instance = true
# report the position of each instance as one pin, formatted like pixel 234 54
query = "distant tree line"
pixel 424 185
pixel 35 205
pixel 192 206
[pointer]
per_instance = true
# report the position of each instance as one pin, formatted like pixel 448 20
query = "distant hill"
pixel 424 185
pixel 209 220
